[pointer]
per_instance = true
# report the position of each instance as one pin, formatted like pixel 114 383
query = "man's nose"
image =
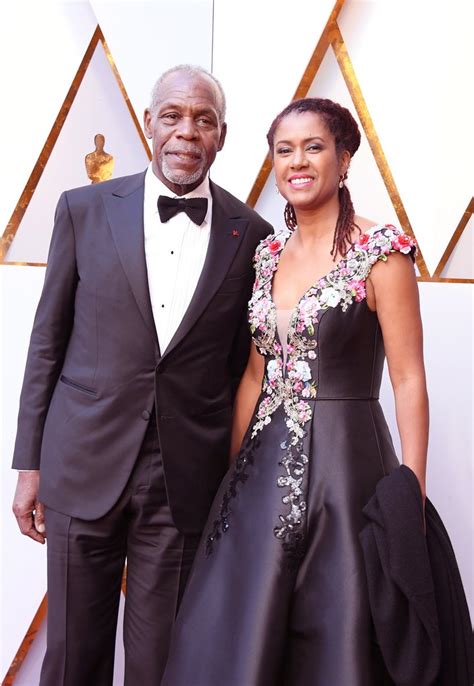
pixel 187 128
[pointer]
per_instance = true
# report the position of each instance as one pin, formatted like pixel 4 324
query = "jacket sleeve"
pixel 49 339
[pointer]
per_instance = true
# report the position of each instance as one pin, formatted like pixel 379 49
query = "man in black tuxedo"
pixel 138 343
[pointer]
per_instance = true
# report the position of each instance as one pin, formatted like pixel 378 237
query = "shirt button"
pixel 146 415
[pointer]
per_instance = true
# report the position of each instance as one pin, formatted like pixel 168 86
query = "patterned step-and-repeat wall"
pixel 72 70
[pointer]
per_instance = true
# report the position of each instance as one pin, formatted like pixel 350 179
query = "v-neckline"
pixel 315 284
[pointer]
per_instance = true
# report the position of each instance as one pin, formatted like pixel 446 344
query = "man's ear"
pixel 147 117
pixel 223 135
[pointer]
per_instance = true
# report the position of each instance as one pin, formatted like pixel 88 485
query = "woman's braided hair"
pixel 343 127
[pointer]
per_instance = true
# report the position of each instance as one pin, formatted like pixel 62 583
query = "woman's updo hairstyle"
pixel 343 127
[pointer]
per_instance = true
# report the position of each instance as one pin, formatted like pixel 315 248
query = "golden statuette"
pixel 99 164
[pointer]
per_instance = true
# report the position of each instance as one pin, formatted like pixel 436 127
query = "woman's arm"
pixel 393 292
pixel 246 398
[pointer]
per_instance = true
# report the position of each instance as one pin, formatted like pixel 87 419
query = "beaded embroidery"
pixel 221 524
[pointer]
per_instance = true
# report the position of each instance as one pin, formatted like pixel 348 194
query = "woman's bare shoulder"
pixel 365 224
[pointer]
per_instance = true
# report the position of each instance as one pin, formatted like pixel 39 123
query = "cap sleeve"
pixel 266 257
pixel 385 240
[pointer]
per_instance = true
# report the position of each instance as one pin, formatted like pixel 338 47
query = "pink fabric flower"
pixel 358 290
pixel 403 243
pixel 274 246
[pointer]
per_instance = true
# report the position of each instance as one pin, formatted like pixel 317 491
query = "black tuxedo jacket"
pixel 94 372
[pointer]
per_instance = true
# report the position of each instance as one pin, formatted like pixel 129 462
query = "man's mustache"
pixel 188 150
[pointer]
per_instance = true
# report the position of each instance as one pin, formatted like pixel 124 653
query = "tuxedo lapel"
pixel 227 232
pixel 124 208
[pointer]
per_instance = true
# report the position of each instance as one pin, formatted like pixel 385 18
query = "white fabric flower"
pixel 302 370
pixel 330 296
pixel 272 369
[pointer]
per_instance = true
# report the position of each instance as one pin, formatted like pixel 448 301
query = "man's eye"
pixel 169 116
pixel 204 121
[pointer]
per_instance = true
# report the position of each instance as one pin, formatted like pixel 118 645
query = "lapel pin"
pixel 235 233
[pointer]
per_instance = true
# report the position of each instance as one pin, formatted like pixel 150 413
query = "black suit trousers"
pixel 85 566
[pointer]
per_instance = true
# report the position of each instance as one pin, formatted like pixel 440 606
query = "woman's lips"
pixel 300 181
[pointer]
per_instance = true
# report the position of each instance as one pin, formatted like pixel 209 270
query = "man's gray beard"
pixel 182 178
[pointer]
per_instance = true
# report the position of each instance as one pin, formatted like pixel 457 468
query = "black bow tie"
pixel 195 208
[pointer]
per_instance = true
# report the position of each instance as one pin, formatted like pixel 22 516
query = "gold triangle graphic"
pixel 347 69
pixel 31 184
pixel 300 92
pixel 30 636
pixel 455 238
pixel 331 36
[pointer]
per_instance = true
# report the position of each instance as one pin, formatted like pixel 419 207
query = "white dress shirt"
pixel 174 252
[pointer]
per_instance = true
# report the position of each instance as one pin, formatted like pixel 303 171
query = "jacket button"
pixel 146 415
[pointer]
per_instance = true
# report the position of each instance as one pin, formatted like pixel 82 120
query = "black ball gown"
pixel 278 592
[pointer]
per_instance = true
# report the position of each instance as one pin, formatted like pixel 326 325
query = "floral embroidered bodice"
pixel 292 384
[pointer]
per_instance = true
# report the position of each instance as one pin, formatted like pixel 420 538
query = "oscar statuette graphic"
pixel 99 164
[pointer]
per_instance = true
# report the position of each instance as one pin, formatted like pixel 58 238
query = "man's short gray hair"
pixel 191 70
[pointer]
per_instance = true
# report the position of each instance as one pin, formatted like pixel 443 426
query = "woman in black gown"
pixel 278 591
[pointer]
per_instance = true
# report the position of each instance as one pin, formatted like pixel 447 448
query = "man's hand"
pixel 28 511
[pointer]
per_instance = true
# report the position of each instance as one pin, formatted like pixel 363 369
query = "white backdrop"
pixel 412 60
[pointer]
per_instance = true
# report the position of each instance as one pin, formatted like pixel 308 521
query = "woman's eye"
pixel 283 151
pixel 314 147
